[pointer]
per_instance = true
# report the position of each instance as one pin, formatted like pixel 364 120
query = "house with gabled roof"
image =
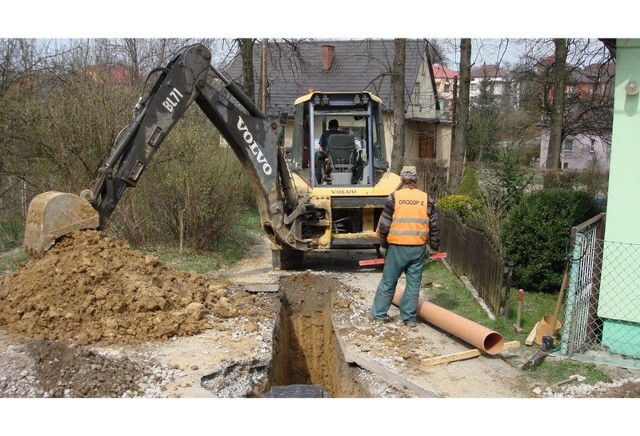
pixel 446 86
pixel 497 77
pixel 295 67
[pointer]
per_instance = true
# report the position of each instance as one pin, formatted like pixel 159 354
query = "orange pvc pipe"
pixel 479 336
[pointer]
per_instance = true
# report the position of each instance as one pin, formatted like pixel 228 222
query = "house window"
pixel 447 87
pixel 592 148
pixel 568 144
pixel 416 93
pixel 565 165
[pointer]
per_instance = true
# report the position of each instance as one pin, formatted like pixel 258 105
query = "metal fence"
pixel 473 252
pixel 602 306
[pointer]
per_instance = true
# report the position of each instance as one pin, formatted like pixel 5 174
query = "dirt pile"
pixel 90 289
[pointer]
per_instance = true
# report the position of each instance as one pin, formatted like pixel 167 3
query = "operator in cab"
pixel 321 155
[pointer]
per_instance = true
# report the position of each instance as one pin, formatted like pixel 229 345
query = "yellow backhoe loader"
pixel 308 199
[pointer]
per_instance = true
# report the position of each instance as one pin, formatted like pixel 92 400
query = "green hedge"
pixel 536 234
pixel 465 206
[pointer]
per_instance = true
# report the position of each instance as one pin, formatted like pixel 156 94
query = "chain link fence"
pixel 602 306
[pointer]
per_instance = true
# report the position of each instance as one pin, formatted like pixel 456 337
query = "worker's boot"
pixel 380 320
pixel 411 323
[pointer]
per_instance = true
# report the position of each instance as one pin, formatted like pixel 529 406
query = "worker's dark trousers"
pixel 400 258
pixel 321 156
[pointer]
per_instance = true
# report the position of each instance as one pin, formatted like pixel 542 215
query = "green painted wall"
pixel 620 287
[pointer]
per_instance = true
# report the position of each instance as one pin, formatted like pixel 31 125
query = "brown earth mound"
pixel 92 289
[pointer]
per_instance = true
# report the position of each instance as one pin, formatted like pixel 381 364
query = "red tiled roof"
pixel 442 72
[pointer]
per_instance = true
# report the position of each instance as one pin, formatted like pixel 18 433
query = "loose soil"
pixel 93 318
pixel 90 289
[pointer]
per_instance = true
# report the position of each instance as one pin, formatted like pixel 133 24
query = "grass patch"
pixel 230 250
pixel 553 371
pixel 187 261
pixel 245 233
pixel 446 290
pixel 534 306
pixel 11 260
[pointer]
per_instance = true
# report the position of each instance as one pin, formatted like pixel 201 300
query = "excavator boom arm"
pixel 253 137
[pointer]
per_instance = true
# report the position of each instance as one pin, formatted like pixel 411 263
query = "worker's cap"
pixel 409 172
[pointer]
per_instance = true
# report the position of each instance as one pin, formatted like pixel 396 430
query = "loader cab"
pixel 356 156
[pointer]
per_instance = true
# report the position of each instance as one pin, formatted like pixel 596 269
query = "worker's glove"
pixel 383 246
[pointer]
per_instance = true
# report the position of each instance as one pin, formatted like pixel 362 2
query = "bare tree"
pixel 246 51
pixel 397 82
pixel 557 110
pixel 587 61
pixel 436 51
pixel 462 117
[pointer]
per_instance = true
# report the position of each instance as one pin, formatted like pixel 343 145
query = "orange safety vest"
pixel 410 223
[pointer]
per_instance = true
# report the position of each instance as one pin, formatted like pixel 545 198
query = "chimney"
pixel 328 55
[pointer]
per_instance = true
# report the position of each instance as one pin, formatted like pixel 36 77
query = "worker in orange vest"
pixel 408 223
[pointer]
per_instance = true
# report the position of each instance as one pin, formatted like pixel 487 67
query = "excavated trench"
pixel 308 360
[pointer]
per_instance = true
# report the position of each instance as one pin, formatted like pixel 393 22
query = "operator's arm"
pixel 323 140
pixel 434 225
pixel 384 223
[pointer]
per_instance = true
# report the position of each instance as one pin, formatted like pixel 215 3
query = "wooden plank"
pixel 462 355
pixel 532 335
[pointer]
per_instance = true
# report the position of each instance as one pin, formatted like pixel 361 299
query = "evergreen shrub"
pixel 469 184
pixel 536 235
pixel 465 206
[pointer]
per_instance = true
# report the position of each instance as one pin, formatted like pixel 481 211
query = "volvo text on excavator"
pixel 308 200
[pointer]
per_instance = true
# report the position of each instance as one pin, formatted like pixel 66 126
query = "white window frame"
pixel 567 144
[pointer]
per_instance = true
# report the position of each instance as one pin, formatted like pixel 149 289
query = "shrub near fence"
pixel 474 252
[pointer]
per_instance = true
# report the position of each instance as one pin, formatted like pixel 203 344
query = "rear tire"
pixel 287 259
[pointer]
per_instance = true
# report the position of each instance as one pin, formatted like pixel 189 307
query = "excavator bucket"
pixel 55 214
